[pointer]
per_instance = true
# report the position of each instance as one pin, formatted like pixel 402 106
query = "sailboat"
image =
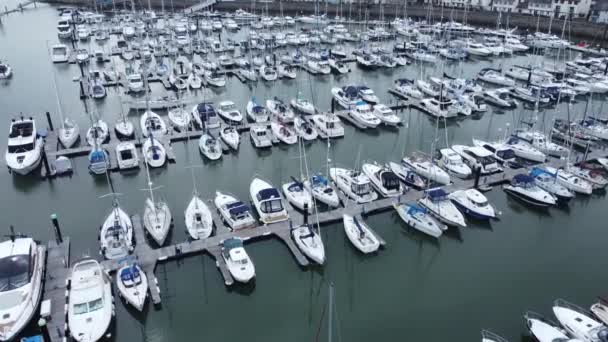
pixel 132 285
pixel 157 216
pixel 116 234
pixel 69 132
pixel 359 234
pixel 199 221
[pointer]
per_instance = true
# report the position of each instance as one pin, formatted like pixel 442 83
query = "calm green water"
pixel 416 289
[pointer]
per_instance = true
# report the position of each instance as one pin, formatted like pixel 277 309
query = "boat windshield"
pixel 271 206
pixel 91 306
pixel 14 272
pixel 20 148
pixel 360 189
pixel 506 154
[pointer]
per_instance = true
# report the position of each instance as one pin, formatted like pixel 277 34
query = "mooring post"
pixel 477 175
pixel 305 213
pixel 45 163
pixel 58 235
pixel 48 119
pixel 333 105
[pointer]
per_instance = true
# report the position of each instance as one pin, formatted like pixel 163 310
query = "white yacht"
pixel 256 112
pixel 579 323
pixel 298 195
pixel 283 132
pixel 417 217
pixel 570 181
pixel 234 212
pixel 383 179
pixel 60 53
pixel 64 29
pixel 152 124
pixel 453 163
pixel 154 152
pixel 304 129
pixel 22 263
pixel 359 234
pixel 539 141
pixel 545 330
pixel 267 201
pixel 237 260
pixel 386 115
pixel 322 191
pixel 308 239
pixel 501 152
pixel 132 285
pixel 24 150
pixel 526 151
pixel 406 88
pixel 230 136
pixel 328 124
pixel 179 118
pixel 210 146
pixel 473 203
pixel 198 218
pixel 436 201
pixel 524 188
pixel 228 111
pixel 280 110
pixel 90 302
pixel 425 167
pixel 268 73
pixel 303 106
pixel 600 310
pixel 347 97
pixel 500 97
pixel 354 184
pixel 478 158
pixel 362 115
pixel 260 136
pixel 548 182
pixel 488 336
pixel 157 218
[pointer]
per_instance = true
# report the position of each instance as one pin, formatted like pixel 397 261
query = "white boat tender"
pixel 384 180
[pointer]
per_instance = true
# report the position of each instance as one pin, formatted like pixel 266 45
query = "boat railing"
pixel 486 334
pixel 565 304
pixel 534 315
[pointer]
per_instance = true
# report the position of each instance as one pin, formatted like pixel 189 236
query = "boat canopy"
pixel 270 193
pixel 537 171
pixel 437 194
pixel 413 209
pixel 351 91
pixel 237 208
pixel 97 156
pixel 232 243
pixel 319 180
pixel 523 179
pixel 390 181
pixel 130 275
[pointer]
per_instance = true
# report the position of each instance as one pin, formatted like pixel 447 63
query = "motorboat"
pixel 230 136
pixel 303 106
pixel 304 129
pixel 228 111
pixel 579 322
pixel 256 113
pixel 383 179
pixel 407 88
pixel 298 195
pixel 433 90
pixel 354 184
pixel 386 115
pixel 154 152
pixel 495 77
pixel 318 66
pixel 524 150
pixel 60 53
pixel 194 81
pixel 309 241
pixel 594 177
pixel 338 66
pixel 347 97
pixel 132 285
pixel 363 116
pixel 152 125
pixel 473 203
pixel 135 83
pixel 500 97
pixel 237 260
pixel 548 182
pixel 545 330
pixel 418 218
pixel 24 148
pixel 179 118
pixel 437 202
pixel 90 303
pixel 594 128
pixel 539 141
pixel 267 201
pixel 283 132
pixel 235 213
pixel 215 78
pixel 260 136
pixel 367 94
pixel 279 110
pixel 157 219
pixel 328 124
pixel 198 218
pixel 22 263
pixel 453 163
pixel 268 73
pixel 439 109
pixel 407 175
pixel 503 153
pixel 64 29
pixel 425 167
pixel 82 56
pixel 569 180
pixel 126 156
pixel 322 191
pixel 205 116
pixel 366 61
pixel 524 188
pixel 359 234
pixel 210 146
pixel 98 133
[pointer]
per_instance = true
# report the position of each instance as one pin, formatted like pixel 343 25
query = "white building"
pixel 504 5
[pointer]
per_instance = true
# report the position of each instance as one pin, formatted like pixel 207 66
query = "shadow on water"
pixel 454 233
pixel 25 184
pixel 242 289
pixel 521 207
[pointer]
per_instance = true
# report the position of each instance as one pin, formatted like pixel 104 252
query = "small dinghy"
pixel 157 219
pixel 256 112
pixel 524 188
pixel 322 191
pixel 354 184
pixel 236 214
pixel 69 132
pixel 298 195
pixel 154 152
pixel 407 175
pixel 152 124
pixel 473 203
pixel 383 179
pixel 417 217
pixel 90 304
pixel 132 285
pixel 230 136
pixel 126 156
pixel 116 235
pixel 309 241
pixel 283 133
pixel 210 147
pixel 199 221
pixel 98 133
pixel 304 129
pixel 436 201
pixel 124 129
pixel 179 119
pixel 260 136
pixel 359 234
pixel 237 260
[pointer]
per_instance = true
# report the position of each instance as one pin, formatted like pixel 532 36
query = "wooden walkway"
pixel 56 289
